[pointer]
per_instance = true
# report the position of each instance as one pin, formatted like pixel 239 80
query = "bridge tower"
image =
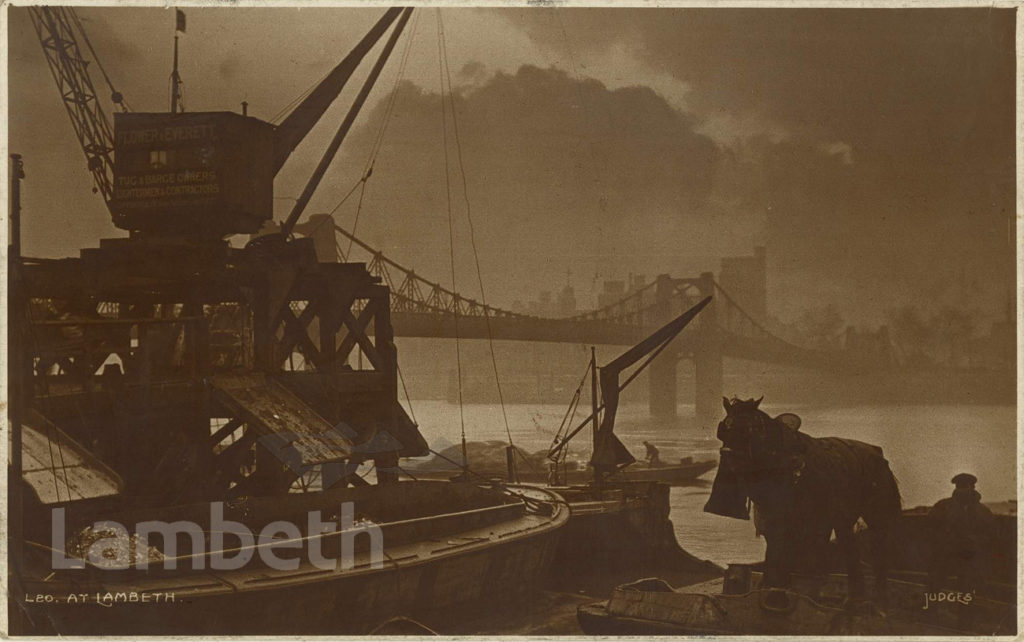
pixel 707 358
pixel 663 385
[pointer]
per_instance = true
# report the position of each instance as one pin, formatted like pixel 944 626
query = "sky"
pixel 871 151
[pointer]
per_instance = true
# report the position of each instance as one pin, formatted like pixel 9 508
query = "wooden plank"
pixel 273 410
pixel 225 430
pixel 58 468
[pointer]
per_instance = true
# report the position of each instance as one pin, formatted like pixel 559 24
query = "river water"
pixel 925 445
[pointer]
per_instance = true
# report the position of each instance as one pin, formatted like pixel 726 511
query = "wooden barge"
pixel 483 545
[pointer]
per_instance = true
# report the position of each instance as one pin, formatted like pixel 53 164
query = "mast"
pixel 179 25
pixel 593 401
pixel 609 453
pixel 175 79
pixel 16 382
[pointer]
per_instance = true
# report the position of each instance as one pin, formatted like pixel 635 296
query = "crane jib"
pixel 195 174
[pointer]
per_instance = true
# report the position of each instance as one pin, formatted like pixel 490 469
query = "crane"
pixel 194 174
pixel 55 26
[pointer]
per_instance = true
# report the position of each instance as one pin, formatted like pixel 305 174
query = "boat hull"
pixel 426 579
pixel 345 605
pixel 617 532
pixel 673 474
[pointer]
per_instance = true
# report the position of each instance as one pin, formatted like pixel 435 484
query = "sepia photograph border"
pixel 750 4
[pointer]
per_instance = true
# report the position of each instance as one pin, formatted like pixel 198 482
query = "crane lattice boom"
pixel 54 26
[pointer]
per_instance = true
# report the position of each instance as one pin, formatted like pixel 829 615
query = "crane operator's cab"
pixel 201 174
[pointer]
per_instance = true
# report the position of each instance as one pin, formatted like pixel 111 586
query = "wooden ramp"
pixel 59 469
pixel 280 420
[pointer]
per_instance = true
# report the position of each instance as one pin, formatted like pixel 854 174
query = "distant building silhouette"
pixel 615 291
pixel 545 306
pixel 566 306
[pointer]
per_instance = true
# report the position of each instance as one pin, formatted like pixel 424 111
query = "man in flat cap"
pixel 962 529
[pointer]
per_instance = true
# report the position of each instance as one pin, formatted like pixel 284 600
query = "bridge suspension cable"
pixel 753 326
pixel 628 319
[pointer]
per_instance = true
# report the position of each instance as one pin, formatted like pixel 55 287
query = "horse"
pixel 803 489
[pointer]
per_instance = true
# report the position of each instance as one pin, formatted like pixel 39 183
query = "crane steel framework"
pixel 54 26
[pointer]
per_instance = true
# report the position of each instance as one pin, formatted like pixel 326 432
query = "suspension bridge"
pixel 427 309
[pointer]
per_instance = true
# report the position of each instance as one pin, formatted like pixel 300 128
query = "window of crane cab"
pixel 158 158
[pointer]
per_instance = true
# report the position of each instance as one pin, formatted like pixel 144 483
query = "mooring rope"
pixel 451 239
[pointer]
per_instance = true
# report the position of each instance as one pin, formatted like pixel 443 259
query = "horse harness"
pixel 795 472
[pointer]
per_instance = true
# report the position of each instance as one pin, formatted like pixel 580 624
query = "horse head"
pixel 755 448
pixel 755 438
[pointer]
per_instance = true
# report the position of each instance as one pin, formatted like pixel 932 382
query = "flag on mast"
pixel 180 17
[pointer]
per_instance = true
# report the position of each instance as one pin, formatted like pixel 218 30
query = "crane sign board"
pixel 192 174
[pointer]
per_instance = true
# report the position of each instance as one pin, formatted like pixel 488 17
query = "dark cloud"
pixel 871 150
pixel 561 174
pixel 473 71
pixel 915 108
pixel 849 71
